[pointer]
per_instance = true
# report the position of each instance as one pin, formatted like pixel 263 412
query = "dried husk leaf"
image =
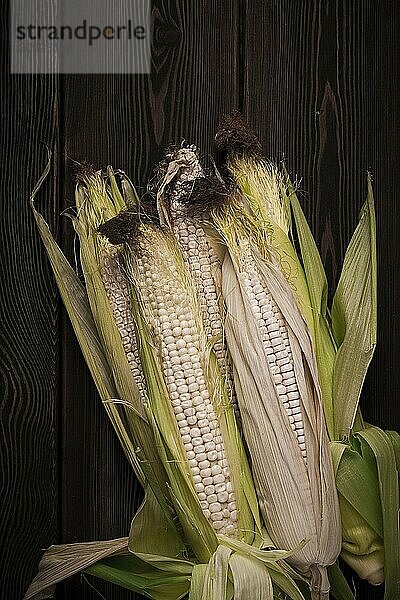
pixel 276 460
pixel 297 501
pixel 60 562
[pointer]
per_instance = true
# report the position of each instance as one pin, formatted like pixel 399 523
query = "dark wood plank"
pixel 321 85
pixel 305 92
pixel 322 82
pixel 29 361
pixel 126 121
pixel 382 119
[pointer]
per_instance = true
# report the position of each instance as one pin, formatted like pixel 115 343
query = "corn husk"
pixel 169 538
pixel 297 501
pixel 344 340
pixel 353 332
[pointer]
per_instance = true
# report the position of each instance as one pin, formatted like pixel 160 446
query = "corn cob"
pixel 276 344
pixel 181 171
pixel 118 294
pixel 197 399
pixel 174 321
pixel 280 404
pixel 99 201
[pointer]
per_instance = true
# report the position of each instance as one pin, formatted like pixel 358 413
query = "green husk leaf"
pixel 130 572
pixel 313 267
pixel 394 438
pixel 130 194
pixel 94 206
pixel 118 199
pixel 382 448
pixel 77 305
pixel 318 291
pixel 286 583
pixel 177 566
pixel 354 319
pixel 153 530
pixel 360 507
pixel 340 589
pixel 367 480
pixel 197 582
pixel 357 480
pixel 60 562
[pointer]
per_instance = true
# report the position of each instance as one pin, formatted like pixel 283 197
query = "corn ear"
pixel 95 204
pixel 182 173
pixel 271 198
pixel 344 348
pixel 61 561
pixel 77 303
pixel 293 474
pixel 187 395
pixel 267 194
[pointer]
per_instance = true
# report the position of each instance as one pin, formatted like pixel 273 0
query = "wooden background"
pixel 319 81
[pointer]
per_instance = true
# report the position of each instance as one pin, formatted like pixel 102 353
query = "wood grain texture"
pixel 29 306
pixel 321 88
